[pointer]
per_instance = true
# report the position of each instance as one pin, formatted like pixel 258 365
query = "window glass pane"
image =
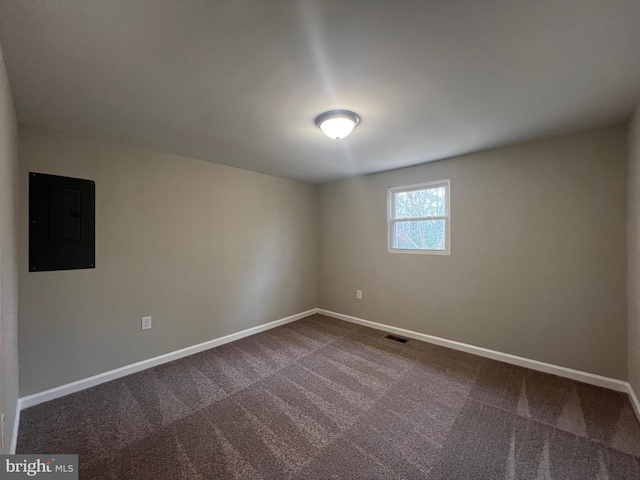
pixel 419 235
pixel 421 203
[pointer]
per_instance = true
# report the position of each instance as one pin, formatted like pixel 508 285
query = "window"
pixel 419 218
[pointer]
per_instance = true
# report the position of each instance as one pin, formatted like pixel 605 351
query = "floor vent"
pixel 396 339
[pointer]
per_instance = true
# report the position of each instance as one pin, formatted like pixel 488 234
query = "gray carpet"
pixel 321 398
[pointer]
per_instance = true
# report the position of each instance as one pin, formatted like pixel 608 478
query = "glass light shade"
pixel 338 127
pixel 337 123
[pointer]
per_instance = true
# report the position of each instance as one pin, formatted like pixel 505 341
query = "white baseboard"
pixel 634 400
pixel 585 377
pixel 16 426
pixel 69 388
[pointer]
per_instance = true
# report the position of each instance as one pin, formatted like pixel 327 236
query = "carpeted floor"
pixel 321 398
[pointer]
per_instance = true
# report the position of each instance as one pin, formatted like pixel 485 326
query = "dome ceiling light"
pixel 337 123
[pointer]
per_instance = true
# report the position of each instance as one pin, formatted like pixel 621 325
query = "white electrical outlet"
pixel 359 294
pixel 146 323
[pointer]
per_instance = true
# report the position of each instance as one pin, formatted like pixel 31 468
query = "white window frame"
pixel 391 220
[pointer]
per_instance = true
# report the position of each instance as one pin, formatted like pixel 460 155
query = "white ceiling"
pixel 240 82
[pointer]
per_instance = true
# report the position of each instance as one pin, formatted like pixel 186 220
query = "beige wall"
pixel 633 243
pixel 537 266
pixel 8 257
pixel 206 250
pixel 538 262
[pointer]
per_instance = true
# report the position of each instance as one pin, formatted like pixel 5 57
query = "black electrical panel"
pixel 62 223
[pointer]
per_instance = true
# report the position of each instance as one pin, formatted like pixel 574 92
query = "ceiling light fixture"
pixel 337 123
